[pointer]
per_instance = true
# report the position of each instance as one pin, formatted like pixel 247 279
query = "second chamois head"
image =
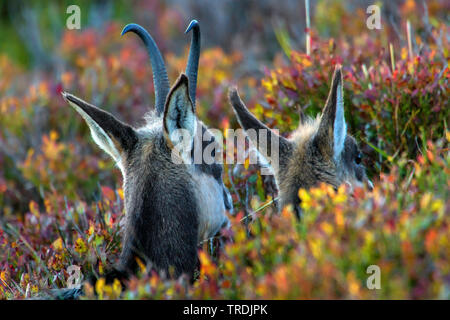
pixel 320 150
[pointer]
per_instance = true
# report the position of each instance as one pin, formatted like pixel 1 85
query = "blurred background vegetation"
pixel 32 31
pixel 60 196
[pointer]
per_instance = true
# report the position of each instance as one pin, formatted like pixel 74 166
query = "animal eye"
pixel 358 158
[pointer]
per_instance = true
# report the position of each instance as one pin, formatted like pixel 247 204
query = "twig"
pixel 6 285
pixel 253 214
pixel 408 36
pixel 391 51
pixel 308 32
pixel 366 74
pixel 408 182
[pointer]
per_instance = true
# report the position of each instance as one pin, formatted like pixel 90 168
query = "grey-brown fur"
pixel 164 216
pixel 312 153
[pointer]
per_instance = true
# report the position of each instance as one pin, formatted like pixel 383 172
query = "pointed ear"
pixel 112 135
pixel 180 121
pixel 333 129
pixel 249 123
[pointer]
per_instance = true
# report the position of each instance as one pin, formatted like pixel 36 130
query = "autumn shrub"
pixel 401 227
pixel 390 108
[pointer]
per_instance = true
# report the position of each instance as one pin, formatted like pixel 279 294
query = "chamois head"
pixel 171 203
pixel 320 150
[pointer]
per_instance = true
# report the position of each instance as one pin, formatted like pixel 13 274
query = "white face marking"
pixel 208 191
pixel 209 195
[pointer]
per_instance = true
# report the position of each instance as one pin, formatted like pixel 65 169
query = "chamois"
pixel 171 203
pixel 320 150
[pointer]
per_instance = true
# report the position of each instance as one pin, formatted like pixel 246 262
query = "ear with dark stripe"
pixel 112 135
pixel 333 129
pixel 248 121
pixel 179 114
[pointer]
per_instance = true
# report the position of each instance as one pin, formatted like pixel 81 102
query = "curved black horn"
pixel 194 55
pixel 160 79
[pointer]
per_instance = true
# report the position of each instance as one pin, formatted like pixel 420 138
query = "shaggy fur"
pixel 318 151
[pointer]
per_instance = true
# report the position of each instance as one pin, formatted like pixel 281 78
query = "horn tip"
pixel 67 96
pixel 193 24
pixel 64 95
pixel 233 94
pixel 130 27
pixel 183 78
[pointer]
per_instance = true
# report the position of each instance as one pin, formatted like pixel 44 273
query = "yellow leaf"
pixel 437 205
pixel 353 286
pixel 425 201
pixel 120 193
pixel 99 286
pixel 369 237
pixel 305 198
pixel 327 228
pixel 80 246
pixel 91 230
pixel 117 287
pixel 246 163
pixel 57 244
pixel 339 198
pixel 229 266
pixel 339 218
pixel 404 53
pixel 315 246
pixel 34 208
pixel 267 84
pixel 141 265
pixel 53 135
